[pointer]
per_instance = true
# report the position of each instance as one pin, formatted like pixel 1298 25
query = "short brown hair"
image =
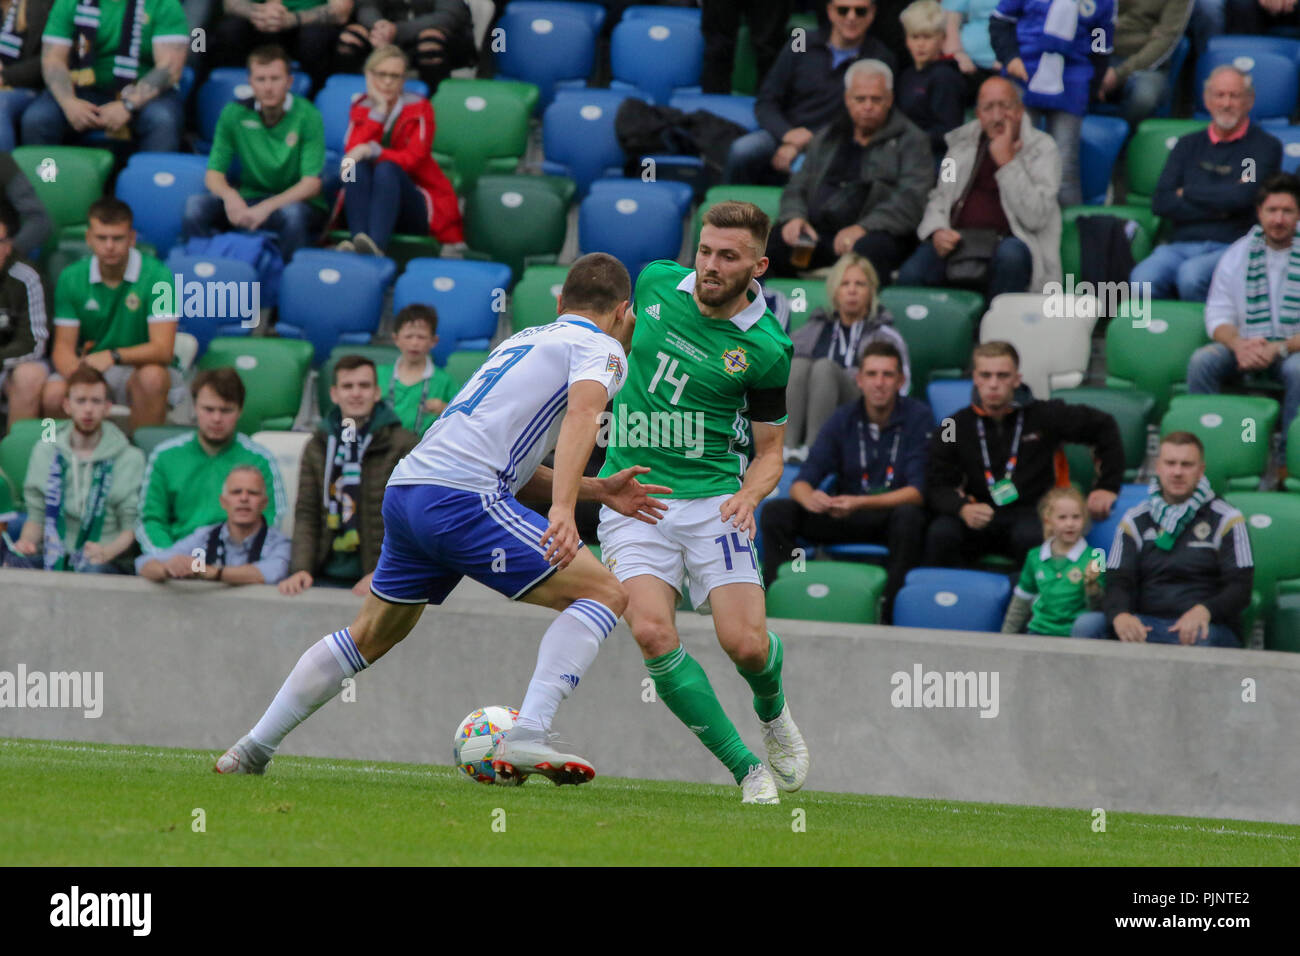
pixel 1183 438
pixel 269 53
pixel 882 349
pixel 417 312
pixel 348 362
pixel 224 381
pixel 86 375
pixel 110 211
pixel 597 282
pixel 996 349
pixel 734 214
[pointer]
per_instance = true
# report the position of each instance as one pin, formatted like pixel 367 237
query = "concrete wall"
pixel 1079 723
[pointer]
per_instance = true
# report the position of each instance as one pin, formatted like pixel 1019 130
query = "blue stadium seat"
pixel 227 83
pixel 680 192
pixel 1102 533
pixel 578 137
pixel 954 600
pixel 1290 137
pixel 1101 141
pixel 544 48
pixel 330 302
pixel 738 109
pixel 656 55
pixel 849 551
pixel 1274 77
pixel 469 297
pixel 947 397
pixel 644 11
pixel 634 224
pixel 592 13
pixel 384 268
pixel 207 327
pixel 1244 44
pixel 156 186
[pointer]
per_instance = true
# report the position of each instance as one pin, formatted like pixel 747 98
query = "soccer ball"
pixel 475 741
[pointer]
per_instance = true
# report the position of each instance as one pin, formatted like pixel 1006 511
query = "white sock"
pixel 314 680
pixel 568 647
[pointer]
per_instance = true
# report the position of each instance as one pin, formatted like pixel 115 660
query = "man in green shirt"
pixel 114 66
pixel 308 27
pixel 280 142
pixel 106 315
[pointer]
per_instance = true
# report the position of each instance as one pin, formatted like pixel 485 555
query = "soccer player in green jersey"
pixel 704 408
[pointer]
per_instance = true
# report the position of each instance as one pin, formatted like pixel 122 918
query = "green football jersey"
pixel 1058 583
pixel 684 412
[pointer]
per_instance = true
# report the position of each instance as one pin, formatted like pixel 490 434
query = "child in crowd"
pixel 416 389
pixel 931 92
pixel 1063 578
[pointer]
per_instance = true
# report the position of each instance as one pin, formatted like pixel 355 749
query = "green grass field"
pixel 97 804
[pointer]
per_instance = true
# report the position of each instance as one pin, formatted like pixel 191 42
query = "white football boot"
pixel 786 751
pixel 521 757
pixel 244 757
pixel 758 786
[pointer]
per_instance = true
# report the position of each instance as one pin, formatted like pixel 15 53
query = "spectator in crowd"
pixel 1061 579
pixel 876 448
pixel 34 222
pixel 414 388
pixel 720 23
pixel 242 549
pixel 437 34
pixel 1146 35
pixel 1061 58
pixel 310 28
pixel 112 68
pixel 1253 312
pixel 998 209
pixel 1260 16
pixel 862 185
pixel 803 93
pixel 24 328
pixel 1180 570
pixel 82 490
pixel 992 462
pixel 967 40
pixel 391 181
pixel 21 24
pixel 338 525
pixel 186 474
pixel 824 370
pixel 1207 190
pixel 279 140
pixel 931 91
pixel 107 315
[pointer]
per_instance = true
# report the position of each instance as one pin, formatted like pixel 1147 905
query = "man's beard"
pixel 720 296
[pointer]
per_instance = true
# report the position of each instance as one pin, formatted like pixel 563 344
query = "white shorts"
pixel 690 541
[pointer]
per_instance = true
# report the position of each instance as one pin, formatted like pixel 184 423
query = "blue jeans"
pixel 36 562
pixel 12 105
pixel 1180 270
pixel 1067 130
pixel 295 225
pixel 1143 92
pixel 1011 270
pixel 1213 366
pixel 749 161
pixel 1093 624
pixel 157 127
pixel 384 199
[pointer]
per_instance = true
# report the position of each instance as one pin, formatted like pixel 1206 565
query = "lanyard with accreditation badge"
pixel 1002 492
pixel 889 471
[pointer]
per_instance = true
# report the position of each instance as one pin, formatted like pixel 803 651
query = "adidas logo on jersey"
pixel 653 311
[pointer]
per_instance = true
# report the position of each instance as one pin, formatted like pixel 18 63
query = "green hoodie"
pixel 123 494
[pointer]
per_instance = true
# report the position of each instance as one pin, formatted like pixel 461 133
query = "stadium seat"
pixel 469 297
pixel 1275 79
pixel 330 302
pixel 1132 409
pixel 482 126
pixel 806 296
pixel 156 186
pixel 636 223
pixel 1273 522
pixel 839 591
pixel 656 56
pixel 273 371
pixel 1285 629
pixel 1153 355
pixel 15 448
pixel 462 365
pixel 946 397
pixel 287 447
pixel 226 84
pixel 382 268
pixel 1146 227
pixel 517 220
pixel 649 11
pixel 593 14
pixel 680 192
pixel 938 326
pixel 1293 456
pixel 782 490
pixel 1101 534
pixel 738 109
pixel 149 437
pixel 952 600
pixel 334 100
pixel 1229 45
pixel 578 137
pixel 217 315
pixel 8 506
pixel 67 179
pixel 1290 138
pixel 545 46
pixel 535 296
pixel 766 198
pixel 1236 431
pixel 1147 151
pixel 1101 141
pixel 1054 351
pixel 381 355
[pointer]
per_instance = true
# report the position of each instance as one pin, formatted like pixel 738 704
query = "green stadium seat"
pixel 7 504
pixel 1286 624
pixel 766 198
pixel 1154 357
pixel 535 295
pixel 517 220
pixel 149 437
pixel 379 354
pixel 1293 456
pixel 1236 431
pixel 938 327
pixel 844 591
pixel 15 448
pixel 1147 151
pixel 805 295
pixel 482 126
pixel 74 181
pixel 273 371
pixel 1143 239
pixel 1132 410
pixel 1273 522
pixel 462 365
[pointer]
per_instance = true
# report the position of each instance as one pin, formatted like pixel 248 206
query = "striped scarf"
pixel 11 44
pixel 1172 520
pixel 1258 313
pixel 126 62
pixel 92 516
pixel 343 487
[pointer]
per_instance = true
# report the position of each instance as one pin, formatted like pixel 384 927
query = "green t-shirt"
pixel 164 21
pixel 295 5
pixel 406 399
pixel 1057 581
pixel 684 411
pixel 272 158
pixel 112 318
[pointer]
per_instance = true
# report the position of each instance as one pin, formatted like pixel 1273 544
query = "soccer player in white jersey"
pixel 451 504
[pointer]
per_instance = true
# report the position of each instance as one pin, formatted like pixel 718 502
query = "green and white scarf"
pixel 1259 315
pixel 11 44
pixel 1172 520
pixel 92 517
pixel 343 487
pixel 126 63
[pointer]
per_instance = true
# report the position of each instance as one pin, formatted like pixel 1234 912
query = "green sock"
pixel 769 698
pixel 685 688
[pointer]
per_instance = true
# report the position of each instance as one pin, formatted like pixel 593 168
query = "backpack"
pixel 261 250
pixel 643 128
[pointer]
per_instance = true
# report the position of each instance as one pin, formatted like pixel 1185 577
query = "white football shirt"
pixel 506 419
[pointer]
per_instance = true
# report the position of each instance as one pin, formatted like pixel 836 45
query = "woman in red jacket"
pixel 393 183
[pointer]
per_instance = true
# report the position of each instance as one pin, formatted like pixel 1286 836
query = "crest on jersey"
pixel 734 361
pixel 615 365
pixel 1074 575
pixel 1202 530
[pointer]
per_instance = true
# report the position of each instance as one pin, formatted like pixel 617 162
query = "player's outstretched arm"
pixel 762 476
pixel 587 400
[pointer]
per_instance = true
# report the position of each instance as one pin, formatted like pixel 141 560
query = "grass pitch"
pixel 97 804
